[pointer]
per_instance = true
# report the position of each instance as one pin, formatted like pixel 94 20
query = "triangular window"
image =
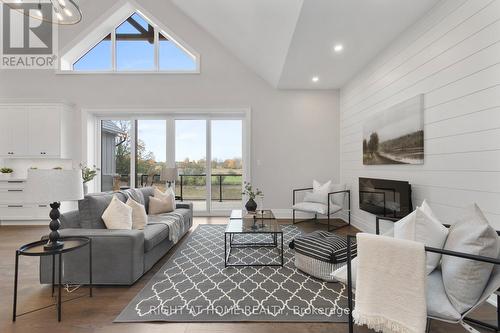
pixel 137 45
pixel 97 58
pixel 172 57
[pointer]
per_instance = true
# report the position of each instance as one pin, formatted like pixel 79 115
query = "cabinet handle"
pixel 15 206
pixel 15 181
pixel 42 206
pixel 14 190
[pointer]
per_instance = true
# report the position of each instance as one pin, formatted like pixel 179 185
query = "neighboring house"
pixel 110 132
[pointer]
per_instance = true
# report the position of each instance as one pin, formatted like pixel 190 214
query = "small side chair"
pixel 321 209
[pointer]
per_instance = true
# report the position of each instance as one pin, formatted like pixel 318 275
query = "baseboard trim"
pixel 26 223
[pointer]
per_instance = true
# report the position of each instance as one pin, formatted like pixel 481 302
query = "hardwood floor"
pixel 96 314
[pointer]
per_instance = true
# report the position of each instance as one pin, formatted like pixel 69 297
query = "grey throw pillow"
pixel 464 280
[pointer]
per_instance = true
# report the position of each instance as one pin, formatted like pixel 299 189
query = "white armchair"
pixel 438 303
pixel 338 199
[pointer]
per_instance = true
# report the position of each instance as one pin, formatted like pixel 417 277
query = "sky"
pixel 191 138
pixel 400 119
pixel 134 55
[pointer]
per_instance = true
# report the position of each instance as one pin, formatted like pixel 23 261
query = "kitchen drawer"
pixel 24 212
pixel 12 195
pixel 12 184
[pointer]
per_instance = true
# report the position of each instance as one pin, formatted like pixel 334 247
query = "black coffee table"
pixel 261 223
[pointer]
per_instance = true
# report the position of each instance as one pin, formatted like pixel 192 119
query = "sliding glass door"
pixel 191 161
pixel 150 152
pixel 208 153
pixel 226 164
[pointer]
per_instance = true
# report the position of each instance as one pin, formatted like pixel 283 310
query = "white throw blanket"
pixel 390 284
pixel 174 221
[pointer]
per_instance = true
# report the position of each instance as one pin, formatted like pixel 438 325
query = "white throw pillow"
pixel 169 195
pixel 160 206
pixel 319 193
pixel 427 209
pixel 422 227
pixel 118 215
pixel 139 216
pixel 464 280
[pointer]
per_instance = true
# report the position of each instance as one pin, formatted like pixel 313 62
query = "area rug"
pixel 194 286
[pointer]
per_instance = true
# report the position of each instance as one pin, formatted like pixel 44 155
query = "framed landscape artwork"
pixel 395 135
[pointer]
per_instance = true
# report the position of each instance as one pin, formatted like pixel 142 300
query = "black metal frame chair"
pixel 315 218
pixel 494 261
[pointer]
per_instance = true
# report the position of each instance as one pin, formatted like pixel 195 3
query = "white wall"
pixel 452 55
pixel 295 134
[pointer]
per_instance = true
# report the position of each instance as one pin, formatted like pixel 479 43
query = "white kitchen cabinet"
pixel 44 125
pixel 14 138
pixel 36 131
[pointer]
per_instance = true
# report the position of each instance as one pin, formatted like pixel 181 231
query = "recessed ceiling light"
pixel 315 79
pixel 338 48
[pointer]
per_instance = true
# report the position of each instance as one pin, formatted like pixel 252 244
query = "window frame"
pixel 156 70
pixel 170 115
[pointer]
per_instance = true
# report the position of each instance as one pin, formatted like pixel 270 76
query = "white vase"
pixel 85 189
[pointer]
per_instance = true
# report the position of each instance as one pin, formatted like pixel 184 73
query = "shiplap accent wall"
pixel 452 56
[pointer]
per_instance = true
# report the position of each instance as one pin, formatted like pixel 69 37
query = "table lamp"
pixel 54 186
pixel 168 175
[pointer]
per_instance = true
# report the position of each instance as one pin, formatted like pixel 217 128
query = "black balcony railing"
pixel 225 187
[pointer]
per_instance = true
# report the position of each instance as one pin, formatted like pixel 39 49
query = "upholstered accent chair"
pixel 439 306
pixel 338 200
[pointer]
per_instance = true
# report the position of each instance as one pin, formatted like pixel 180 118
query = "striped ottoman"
pixel 320 253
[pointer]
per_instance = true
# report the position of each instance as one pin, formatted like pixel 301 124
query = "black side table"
pixel 35 249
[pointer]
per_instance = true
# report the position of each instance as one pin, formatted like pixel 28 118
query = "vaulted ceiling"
pixel 288 42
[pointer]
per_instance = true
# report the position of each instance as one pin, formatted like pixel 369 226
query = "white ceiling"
pixel 287 42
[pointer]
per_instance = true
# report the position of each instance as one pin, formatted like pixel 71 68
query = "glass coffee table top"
pixel 266 214
pixel 261 222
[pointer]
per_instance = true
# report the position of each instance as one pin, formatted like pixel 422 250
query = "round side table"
pixel 36 249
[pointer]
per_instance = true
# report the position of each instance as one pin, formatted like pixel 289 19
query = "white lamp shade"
pixel 46 186
pixel 168 174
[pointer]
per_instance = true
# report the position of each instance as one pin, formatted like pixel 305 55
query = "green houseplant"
pixel 6 172
pixel 88 173
pixel 251 205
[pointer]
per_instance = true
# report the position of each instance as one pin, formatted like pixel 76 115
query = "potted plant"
pixel 251 205
pixel 6 171
pixel 88 173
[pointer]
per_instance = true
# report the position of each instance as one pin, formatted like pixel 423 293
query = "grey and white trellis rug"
pixel 194 286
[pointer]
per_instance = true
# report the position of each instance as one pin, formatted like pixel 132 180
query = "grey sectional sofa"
pixel 120 257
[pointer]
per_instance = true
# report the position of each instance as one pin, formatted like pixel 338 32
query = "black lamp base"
pixel 50 246
pixel 54 242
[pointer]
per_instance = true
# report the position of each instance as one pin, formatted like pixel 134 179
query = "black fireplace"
pixel 385 197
